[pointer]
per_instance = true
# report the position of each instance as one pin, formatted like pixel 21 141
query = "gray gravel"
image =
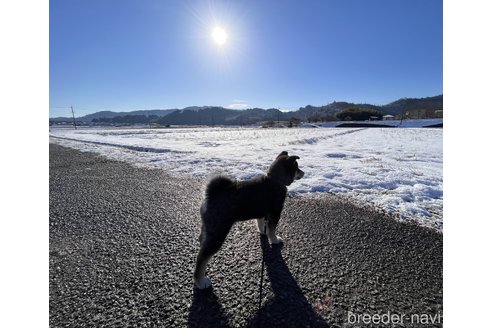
pixel 123 242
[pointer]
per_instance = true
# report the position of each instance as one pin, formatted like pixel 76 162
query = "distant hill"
pixel 412 105
pixel 329 110
pixel 220 116
pixel 110 115
pixel 429 107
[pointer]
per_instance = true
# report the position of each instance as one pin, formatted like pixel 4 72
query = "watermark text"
pixel 389 318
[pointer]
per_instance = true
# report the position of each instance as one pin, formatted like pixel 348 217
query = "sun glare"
pixel 219 35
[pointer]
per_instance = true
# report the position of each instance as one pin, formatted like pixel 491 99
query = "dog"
pixel 228 201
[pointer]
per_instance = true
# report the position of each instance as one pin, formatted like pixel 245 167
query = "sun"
pixel 219 36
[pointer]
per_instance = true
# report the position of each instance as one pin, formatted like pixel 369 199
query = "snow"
pixel 398 171
pixel 394 123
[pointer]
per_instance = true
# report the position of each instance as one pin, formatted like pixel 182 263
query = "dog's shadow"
pixel 289 307
pixel 205 310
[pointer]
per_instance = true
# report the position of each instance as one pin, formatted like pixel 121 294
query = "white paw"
pixel 276 240
pixel 205 282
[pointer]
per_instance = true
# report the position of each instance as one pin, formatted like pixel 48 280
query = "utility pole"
pixel 73 116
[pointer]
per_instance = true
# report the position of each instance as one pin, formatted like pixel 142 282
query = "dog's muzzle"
pixel 299 174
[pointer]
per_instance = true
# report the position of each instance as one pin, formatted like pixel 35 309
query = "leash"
pixel 262 266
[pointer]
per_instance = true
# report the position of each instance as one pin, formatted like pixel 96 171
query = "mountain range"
pixel 214 115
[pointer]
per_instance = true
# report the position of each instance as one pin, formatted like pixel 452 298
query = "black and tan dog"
pixel 228 201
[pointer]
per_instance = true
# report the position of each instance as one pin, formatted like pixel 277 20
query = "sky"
pixel 123 55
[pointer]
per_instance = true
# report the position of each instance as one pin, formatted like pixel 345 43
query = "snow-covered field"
pixel 394 123
pixel 396 170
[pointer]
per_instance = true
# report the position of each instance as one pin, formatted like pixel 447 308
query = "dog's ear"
pixel 284 153
pixel 294 157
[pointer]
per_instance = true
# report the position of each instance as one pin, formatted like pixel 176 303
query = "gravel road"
pixel 123 242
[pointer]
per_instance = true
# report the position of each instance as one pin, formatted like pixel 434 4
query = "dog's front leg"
pixel 271 230
pixel 261 225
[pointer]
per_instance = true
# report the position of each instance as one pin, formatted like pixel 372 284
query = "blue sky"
pixel 123 55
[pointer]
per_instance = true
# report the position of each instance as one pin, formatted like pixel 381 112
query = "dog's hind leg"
pixel 199 278
pixel 210 244
pixel 200 238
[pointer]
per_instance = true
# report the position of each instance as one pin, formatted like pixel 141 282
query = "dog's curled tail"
pixel 218 184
